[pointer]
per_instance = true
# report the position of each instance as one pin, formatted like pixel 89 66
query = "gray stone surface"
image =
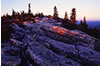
pixel 44 44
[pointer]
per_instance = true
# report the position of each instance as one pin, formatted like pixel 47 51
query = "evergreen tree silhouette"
pixel 29 8
pixel 66 16
pixel 13 12
pixel 55 15
pixel 84 21
pixel 83 26
pixel 73 16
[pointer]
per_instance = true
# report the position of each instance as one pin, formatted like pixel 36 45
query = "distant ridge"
pixel 93 24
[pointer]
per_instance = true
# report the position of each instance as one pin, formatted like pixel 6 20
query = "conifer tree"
pixel 13 12
pixel 29 8
pixel 73 16
pixel 55 15
pixel 66 16
pixel 84 20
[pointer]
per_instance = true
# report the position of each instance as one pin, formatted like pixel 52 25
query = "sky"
pixel 88 8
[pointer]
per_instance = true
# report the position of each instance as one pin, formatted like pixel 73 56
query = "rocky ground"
pixel 46 44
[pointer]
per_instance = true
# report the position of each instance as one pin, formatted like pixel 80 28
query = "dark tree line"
pixel 69 23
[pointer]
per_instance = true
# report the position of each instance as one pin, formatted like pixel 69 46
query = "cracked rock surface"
pixel 44 44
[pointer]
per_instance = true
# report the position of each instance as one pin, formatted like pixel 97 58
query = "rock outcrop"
pixel 45 44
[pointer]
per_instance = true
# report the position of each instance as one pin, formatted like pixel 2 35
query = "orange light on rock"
pixel 36 20
pixel 51 17
pixel 36 17
pixel 74 33
pixel 59 30
pixel 24 23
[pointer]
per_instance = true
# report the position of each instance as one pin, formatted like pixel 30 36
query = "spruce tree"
pixel 66 16
pixel 55 15
pixel 73 16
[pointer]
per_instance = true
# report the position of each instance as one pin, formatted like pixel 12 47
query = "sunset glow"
pixel 88 8
pixel 59 30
